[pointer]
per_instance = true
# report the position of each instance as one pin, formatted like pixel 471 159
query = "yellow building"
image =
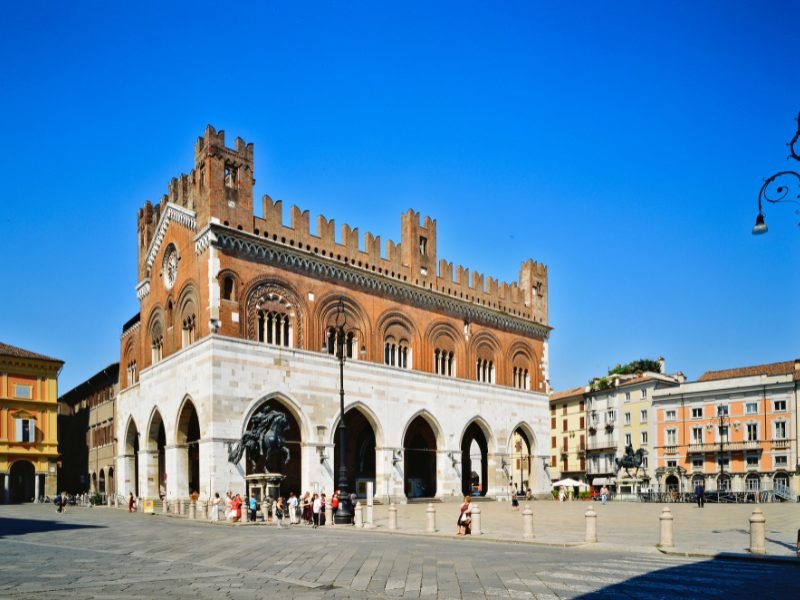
pixel 28 424
pixel 568 435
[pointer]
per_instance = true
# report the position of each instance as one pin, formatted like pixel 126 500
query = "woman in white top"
pixel 292 504
pixel 316 505
pixel 215 507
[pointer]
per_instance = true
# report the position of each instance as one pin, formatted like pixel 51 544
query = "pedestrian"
pixel 292 506
pixel 514 497
pixel 316 504
pixel 603 495
pixel 228 509
pixel 307 508
pixel 236 508
pixel 131 502
pixel 699 493
pixel 279 511
pixel 253 507
pixel 215 507
pixel 561 494
pixel 353 500
pixel 464 520
pixel 334 507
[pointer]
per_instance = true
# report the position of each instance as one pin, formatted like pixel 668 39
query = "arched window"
pixel 349 342
pixel 444 362
pixel 133 374
pixel 520 378
pixel 275 327
pixel 156 341
pixel 188 332
pixel 229 288
pixel 484 370
pixel 396 353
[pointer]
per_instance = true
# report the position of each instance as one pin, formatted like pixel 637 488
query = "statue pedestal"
pixel 264 485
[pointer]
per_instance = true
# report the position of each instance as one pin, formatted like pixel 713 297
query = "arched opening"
pixel 419 460
pixel 132 459
pixel 780 483
pixel 292 470
pixel 156 444
pixel 474 463
pixel 359 453
pixel 102 483
pixel 698 480
pixel 22 481
pixel 752 483
pixel 188 476
pixel 520 468
pixel 93 481
pixel 673 484
pixel 724 483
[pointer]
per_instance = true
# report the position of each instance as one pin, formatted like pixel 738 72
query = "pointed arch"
pixel 131 436
pixel 181 422
pixel 483 426
pixel 357 325
pixel 277 298
pixel 155 421
pixel 526 429
pixel 368 414
pixel 431 420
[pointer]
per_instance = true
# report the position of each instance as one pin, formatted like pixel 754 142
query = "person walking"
pixel 323 503
pixel 236 508
pixel 603 495
pixel 131 501
pixel 307 508
pixel 464 520
pixel 215 507
pixel 561 494
pixel 514 498
pixel 252 504
pixel 316 504
pixel 699 493
pixel 228 501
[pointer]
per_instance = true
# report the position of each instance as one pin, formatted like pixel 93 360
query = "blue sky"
pixel 623 144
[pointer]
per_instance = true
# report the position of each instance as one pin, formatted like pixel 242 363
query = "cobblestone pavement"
pixel 106 553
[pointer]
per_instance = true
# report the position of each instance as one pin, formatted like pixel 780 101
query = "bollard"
pixel 527 523
pixel 392 516
pixel 193 510
pixel 591 526
pixel 359 516
pixel 666 519
pixel 164 506
pixel 108 501
pixel 329 514
pixel 370 516
pixel 431 514
pixel 181 507
pixel 757 530
pixel 476 521
pixel 264 510
pixel 204 510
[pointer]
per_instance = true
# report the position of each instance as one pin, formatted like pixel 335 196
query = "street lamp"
pixel 724 421
pixel 780 192
pixel 344 514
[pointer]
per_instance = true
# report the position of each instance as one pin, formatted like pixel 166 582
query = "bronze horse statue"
pixel 630 460
pixel 265 436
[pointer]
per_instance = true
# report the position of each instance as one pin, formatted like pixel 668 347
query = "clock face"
pixel 170 268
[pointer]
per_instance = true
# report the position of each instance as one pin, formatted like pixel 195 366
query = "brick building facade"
pixel 237 314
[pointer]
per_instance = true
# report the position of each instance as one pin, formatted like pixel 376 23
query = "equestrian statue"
pixel 630 460
pixel 265 436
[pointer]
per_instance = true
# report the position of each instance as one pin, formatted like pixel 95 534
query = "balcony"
pixel 781 443
pixel 601 442
pixel 726 446
pixel 671 449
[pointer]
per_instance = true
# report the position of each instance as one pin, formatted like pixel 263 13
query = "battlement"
pixel 220 187
pixel 412 260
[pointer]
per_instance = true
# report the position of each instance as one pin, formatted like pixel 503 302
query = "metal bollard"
pixel 757 530
pixel 359 516
pixel 666 519
pixel 527 523
pixel 430 512
pixel 193 510
pixel 392 516
pixel 476 521
pixel 591 526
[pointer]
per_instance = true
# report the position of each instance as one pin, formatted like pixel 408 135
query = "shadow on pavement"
pixel 716 577
pixel 23 526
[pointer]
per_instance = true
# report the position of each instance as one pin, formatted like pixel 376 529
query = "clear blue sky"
pixel 621 143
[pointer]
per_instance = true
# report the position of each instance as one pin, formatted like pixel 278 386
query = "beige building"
pixel 568 434
pixel 86 441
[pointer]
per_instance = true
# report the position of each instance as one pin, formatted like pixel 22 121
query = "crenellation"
pixel 300 222
pixel 208 191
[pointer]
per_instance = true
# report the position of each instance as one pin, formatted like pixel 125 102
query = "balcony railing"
pixel 780 443
pixel 671 449
pixel 726 446
pixel 599 442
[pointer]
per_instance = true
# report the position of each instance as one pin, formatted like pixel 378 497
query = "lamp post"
pixel 344 514
pixel 723 432
pixel 775 190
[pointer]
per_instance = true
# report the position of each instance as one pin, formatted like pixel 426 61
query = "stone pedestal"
pixel 666 519
pixel 527 523
pixel 476 521
pixel 392 516
pixel 430 514
pixel 758 526
pixel 591 526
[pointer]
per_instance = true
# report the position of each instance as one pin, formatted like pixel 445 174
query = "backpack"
pixel 334 502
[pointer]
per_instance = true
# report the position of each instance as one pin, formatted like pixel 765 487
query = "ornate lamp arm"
pixel 778 187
